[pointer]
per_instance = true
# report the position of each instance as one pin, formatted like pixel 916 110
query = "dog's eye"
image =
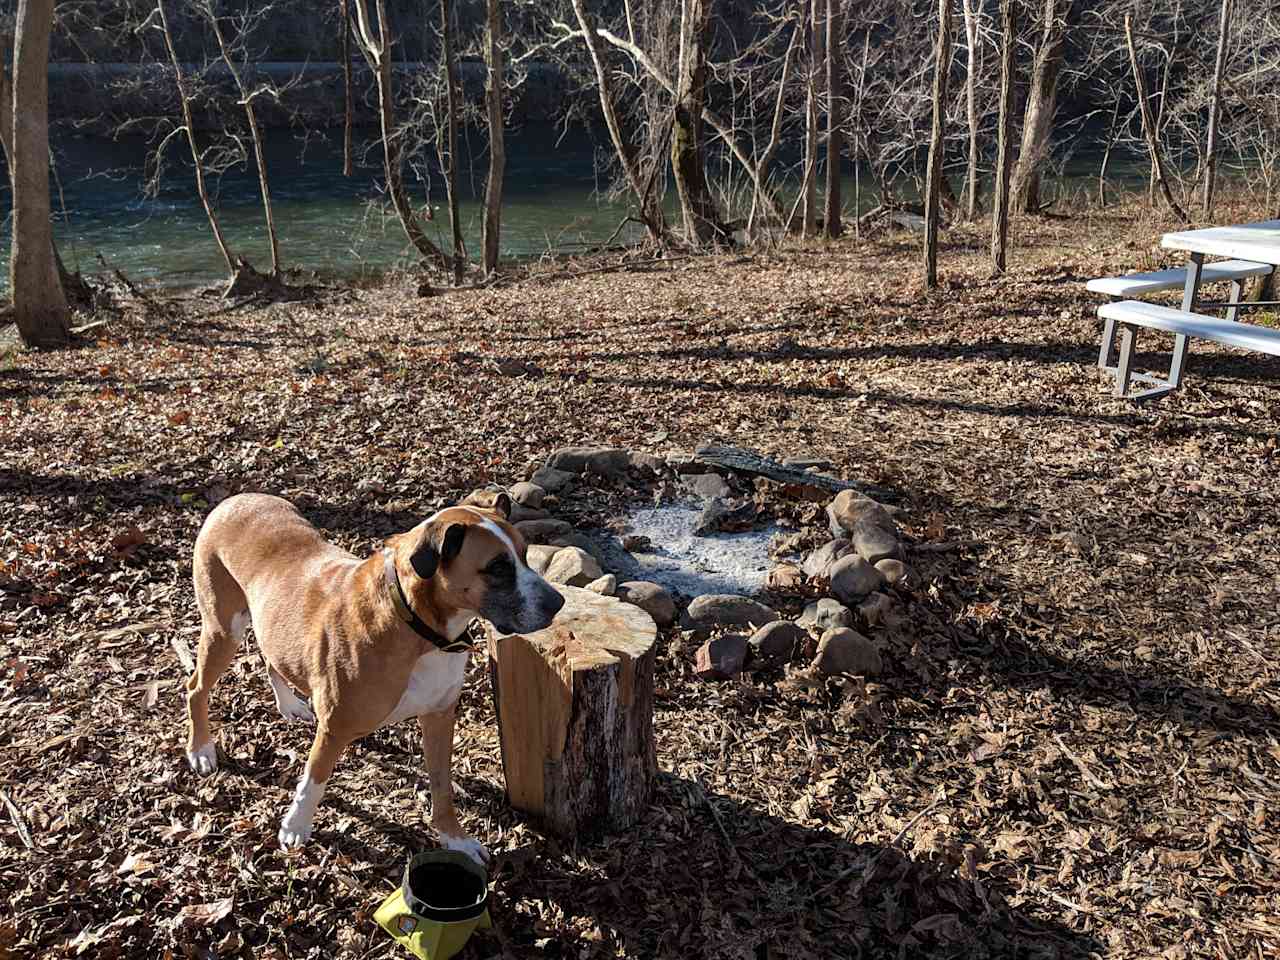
pixel 501 568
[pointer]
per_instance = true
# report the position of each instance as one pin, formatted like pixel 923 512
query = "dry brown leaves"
pixel 1075 751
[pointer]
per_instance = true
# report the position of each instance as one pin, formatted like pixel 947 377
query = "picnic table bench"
pixel 1255 249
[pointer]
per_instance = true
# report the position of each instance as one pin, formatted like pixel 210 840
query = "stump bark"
pixel 575 714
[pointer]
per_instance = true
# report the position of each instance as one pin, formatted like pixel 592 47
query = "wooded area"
pixel 737 108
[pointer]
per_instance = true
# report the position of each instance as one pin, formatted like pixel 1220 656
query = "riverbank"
pixel 1072 751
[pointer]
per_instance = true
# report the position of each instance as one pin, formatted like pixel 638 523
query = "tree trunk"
pixel 1004 150
pixel 1148 124
pixel 650 211
pixel 835 100
pixel 775 130
pixel 1042 102
pixel 809 201
pixel 702 224
pixel 971 96
pixel 937 144
pixel 574 704
pixel 252 115
pixel 377 52
pixel 449 159
pixel 39 303
pixel 344 15
pixel 493 94
pixel 1211 145
pixel 189 127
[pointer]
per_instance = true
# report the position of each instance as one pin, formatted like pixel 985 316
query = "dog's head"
pixel 468 561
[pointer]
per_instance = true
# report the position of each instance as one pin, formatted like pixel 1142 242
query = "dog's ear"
pixel 451 542
pixel 502 504
pixel 425 560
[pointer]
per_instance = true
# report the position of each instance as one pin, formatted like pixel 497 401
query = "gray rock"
pixel 879 610
pixel 708 486
pixel 605 586
pixel 551 480
pixel 777 642
pixel 520 513
pixel 573 567
pixel 825 614
pixel 538 557
pixel 542 531
pixel 728 609
pixel 646 463
pixel 846 651
pixel 874 543
pixel 650 598
pixel 895 572
pixel 785 577
pixel 852 578
pixel 722 658
pixel 605 461
pixel 583 542
pixel 528 495
pixel 850 508
pixel 818 563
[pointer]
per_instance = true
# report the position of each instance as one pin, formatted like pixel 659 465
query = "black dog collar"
pixel 415 622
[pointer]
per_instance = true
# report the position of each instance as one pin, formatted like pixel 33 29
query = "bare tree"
pixel 1148 124
pixel 246 100
pixel 835 100
pixel 937 144
pixel 1004 149
pixel 344 15
pixel 813 93
pixel 974 66
pixel 377 51
pixel 650 210
pixel 40 305
pixel 448 151
pixel 493 97
pixel 701 219
pixel 1215 97
pixel 1042 104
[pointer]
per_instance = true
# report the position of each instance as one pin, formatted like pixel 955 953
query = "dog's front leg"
pixel 295 828
pixel 437 750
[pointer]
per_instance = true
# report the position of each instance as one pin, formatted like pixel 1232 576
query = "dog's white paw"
pixel 204 760
pixel 471 847
pixel 293 836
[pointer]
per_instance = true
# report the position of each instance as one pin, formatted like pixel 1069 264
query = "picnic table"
pixel 1253 249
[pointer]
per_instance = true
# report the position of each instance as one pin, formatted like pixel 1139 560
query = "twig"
pixel 947 546
pixel 1080 765
pixel 18 822
pixel 871 865
pixel 184 653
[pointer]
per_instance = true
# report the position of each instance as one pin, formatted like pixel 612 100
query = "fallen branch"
pixel 16 815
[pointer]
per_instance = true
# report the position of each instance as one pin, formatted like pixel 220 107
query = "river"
pixel 327 223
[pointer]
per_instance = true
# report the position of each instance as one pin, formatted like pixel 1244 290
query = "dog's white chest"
pixel 434 684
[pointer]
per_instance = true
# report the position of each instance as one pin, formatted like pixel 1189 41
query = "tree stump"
pixel 575 714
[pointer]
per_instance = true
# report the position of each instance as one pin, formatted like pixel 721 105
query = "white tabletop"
pixel 1259 242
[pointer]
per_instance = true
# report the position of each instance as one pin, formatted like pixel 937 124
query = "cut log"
pixel 575 713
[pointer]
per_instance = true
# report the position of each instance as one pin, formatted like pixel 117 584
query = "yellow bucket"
pixel 441 901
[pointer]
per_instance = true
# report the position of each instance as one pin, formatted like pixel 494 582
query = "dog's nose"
pixel 553 603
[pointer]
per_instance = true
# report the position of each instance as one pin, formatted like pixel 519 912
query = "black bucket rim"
pixel 470 911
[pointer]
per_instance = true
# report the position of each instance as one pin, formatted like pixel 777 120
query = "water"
pixel 332 224
pixel 326 222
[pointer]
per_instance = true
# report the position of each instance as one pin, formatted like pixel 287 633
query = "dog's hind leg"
pixel 224 616
pixel 290 705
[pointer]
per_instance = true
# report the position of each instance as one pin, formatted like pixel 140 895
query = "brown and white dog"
pixel 370 642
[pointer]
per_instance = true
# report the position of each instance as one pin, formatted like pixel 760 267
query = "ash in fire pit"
pixel 681 560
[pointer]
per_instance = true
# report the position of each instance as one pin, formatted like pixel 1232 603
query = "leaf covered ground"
pixel 1073 751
